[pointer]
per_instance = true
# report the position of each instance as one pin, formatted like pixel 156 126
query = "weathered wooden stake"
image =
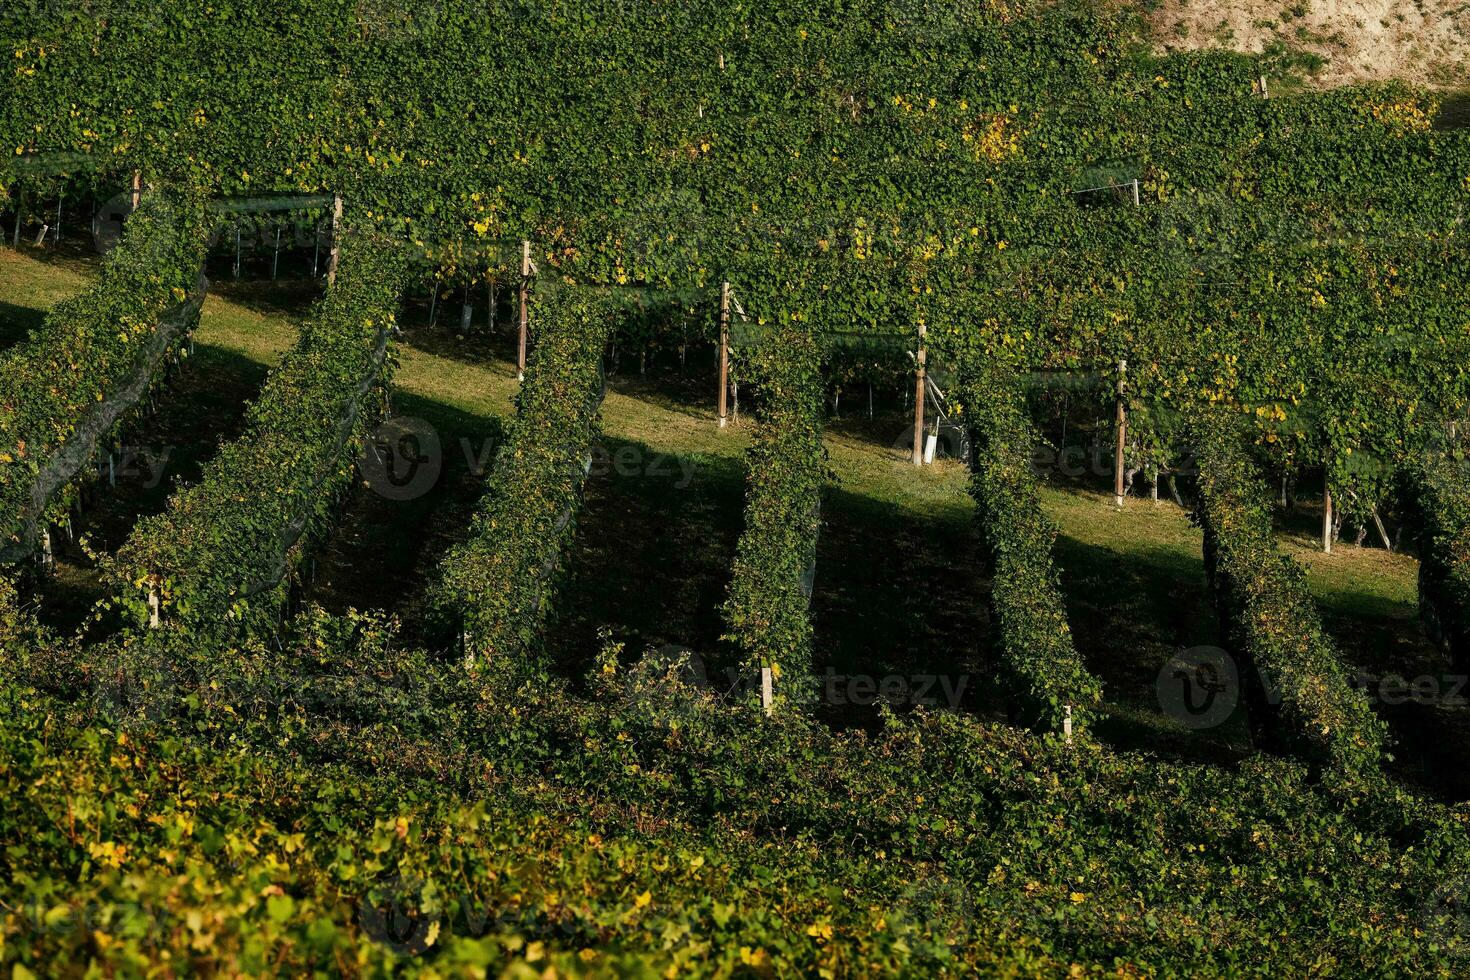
pixel 1265 92
pixel 1382 532
pixel 766 694
pixel 137 195
pixel 919 397
pixel 1136 200
pixel 155 613
pixel 1122 427
pixel 336 252
pixel 724 352
pixel 1067 722
pixel 20 216
pixel 523 298
pixel 1327 521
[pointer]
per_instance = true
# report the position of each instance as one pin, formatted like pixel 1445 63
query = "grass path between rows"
pixel 897 584
pixel 1369 580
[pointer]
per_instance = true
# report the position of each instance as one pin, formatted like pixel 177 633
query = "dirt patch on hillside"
pixel 1422 41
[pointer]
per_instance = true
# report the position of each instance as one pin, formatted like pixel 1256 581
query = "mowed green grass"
pixel 899 582
pixel 31 282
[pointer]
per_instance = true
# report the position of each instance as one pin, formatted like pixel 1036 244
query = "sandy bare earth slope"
pixel 1421 41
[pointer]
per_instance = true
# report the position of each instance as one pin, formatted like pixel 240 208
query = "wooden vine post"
pixel 1122 427
pixel 767 692
pixel 1122 424
pixel 137 194
pixel 522 297
pixel 919 398
pixel 724 398
pixel 336 244
pixel 1326 520
pixel 20 216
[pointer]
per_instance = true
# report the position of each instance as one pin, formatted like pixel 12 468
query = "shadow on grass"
pixel 888 429
pixel 653 554
pixel 287 299
pixel 689 388
pixel 16 322
pixel 895 595
pixel 1413 687
pixel 1131 613
pixel 1378 634
pixel 1432 741
pixel 384 550
pixel 902 598
pixel 76 255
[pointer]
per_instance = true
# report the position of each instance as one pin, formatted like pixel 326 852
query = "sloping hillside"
pixel 1422 41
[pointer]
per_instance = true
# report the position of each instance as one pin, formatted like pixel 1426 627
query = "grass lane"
pixel 899 589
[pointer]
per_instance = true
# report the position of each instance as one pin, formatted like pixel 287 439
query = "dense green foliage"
pixel 1047 675
pixel 1442 503
pixel 1334 344
pixel 53 387
pixel 283 805
pixel 237 532
pixel 1291 280
pixel 766 611
pixel 497 587
pixel 1297 686
pixel 925 153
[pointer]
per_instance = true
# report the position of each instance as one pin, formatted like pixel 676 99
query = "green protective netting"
pixel 62 467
